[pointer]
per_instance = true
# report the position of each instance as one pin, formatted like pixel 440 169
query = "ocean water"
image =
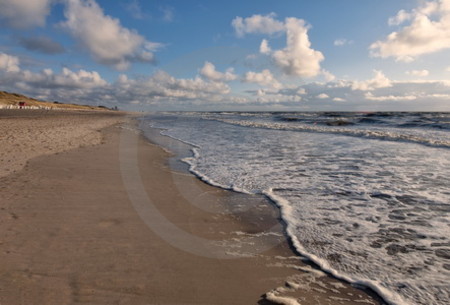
pixel 366 196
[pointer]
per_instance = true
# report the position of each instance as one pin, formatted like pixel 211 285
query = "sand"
pixel 25 134
pixel 82 226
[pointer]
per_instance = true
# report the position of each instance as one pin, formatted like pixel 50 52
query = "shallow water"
pixel 366 196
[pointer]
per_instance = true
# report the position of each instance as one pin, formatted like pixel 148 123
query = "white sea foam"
pixel 273 297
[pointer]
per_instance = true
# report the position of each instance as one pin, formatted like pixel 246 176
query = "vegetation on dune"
pixel 7 98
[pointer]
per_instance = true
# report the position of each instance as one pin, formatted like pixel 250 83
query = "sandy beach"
pixel 26 134
pixel 76 228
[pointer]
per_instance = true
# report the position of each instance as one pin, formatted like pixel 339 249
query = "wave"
pixel 288 187
pixel 378 134
pixel 288 216
pixel 438 121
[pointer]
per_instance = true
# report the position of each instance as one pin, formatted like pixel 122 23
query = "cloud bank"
pixel 83 86
pixel 163 91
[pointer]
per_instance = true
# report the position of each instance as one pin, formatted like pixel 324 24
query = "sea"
pixel 365 196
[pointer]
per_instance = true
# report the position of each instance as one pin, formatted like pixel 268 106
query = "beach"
pixel 74 231
pixel 268 152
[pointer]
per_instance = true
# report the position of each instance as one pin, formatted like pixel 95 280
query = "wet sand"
pixel 76 227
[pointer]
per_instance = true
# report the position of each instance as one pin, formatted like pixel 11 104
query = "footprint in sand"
pixel 109 222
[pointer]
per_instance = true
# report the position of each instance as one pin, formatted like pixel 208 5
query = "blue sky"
pixel 229 55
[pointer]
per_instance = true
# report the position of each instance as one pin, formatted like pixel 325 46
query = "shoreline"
pixel 369 226
pixel 306 259
pixel 71 235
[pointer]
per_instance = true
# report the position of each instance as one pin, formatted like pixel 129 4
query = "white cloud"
pixel 379 81
pixel 298 58
pixel 401 17
pixel 328 76
pixel 400 95
pixel 427 32
pixel 257 24
pixel 369 96
pixel 322 96
pixel 9 63
pixel 89 87
pixel 164 91
pixel 70 86
pixel 162 86
pixel 263 78
pixel 274 97
pixel 342 42
pixel 419 73
pixel 445 83
pixel 78 79
pixel 264 48
pixel 24 13
pixel 209 71
pixel 168 13
pixel 47 79
pixel 104 37
pixel 135 9
pixel 301 91
pixel 440 96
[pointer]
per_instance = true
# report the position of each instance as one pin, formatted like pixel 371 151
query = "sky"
pixel 265 55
